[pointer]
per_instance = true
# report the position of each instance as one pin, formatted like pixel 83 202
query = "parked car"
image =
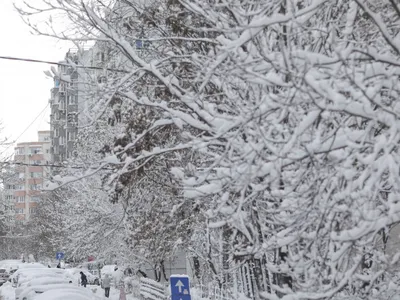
pixel 31 293
pixel 45 280
pixel 23 275
pixel 66 293
pixel 4 275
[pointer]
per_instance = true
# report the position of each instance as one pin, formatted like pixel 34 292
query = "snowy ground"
pixel 7 292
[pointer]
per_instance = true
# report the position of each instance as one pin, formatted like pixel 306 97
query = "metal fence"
pixel 151 290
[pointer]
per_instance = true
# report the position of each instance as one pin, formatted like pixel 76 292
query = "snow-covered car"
pixel 4 275
pixel 10 264
pixel 65 294
pixel 46 280
pixel 31 293
pixel 92 279
pixel 31 266
pixel 23 275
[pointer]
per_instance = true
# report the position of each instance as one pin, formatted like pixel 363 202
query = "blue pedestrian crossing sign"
pixel 59 255
pixel 180 289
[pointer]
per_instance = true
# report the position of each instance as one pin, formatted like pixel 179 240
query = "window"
pixel 36 162
pixel 19 210
pixel 10 187
pixel 35 199
pixel 35 187
pixel 19 151
pixel 71 136
pixel 72 99
pixel 20 199
pixel 32 210
pixel 139 44
pixel 62 140
pixel 36 150
pixel 36 174
pixel 9 197
pixel 62 104
pixel 19 187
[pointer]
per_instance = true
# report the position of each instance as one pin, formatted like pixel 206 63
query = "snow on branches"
pixel 287 116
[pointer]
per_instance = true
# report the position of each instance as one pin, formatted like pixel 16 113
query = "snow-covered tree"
pixel 292 111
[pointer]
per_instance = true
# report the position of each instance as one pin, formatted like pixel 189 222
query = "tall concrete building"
pixel 68 103
pixel 22 189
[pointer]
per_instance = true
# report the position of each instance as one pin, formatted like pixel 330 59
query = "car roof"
pixel 64 295
pixel 64 286
pixel 40 271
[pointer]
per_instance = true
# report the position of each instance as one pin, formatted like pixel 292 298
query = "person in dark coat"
pixel 83 279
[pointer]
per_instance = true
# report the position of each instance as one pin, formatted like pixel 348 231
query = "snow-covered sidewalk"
pixel 114 293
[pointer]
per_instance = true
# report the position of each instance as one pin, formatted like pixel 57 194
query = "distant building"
pixel 68 103
pixel 22 189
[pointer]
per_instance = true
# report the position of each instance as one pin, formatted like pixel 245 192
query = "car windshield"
pixel 2 270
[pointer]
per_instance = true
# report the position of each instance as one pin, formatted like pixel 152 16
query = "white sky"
pixel 24 88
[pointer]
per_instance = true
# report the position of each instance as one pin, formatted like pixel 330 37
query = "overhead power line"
pixel 30 60
pixel 13 142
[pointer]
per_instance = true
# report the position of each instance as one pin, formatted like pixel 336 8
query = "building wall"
pixel 24 189
pixel 67 106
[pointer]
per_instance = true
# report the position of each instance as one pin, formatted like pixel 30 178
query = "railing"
pixel 151 290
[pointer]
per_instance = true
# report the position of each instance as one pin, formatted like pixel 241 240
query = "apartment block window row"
pixel 19 210
pixel 10 187
pixel 35 187
pixel 32 210
pixel 36 150
pixel 35 162
pixel 19 187
pixel 20 199
pixel 35 199
pixel 36 175
pixel 9 197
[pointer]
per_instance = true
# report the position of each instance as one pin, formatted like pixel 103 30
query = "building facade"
pixel 22 190
pixel 68 102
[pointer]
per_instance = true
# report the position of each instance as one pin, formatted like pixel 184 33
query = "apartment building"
pixel 22 190
pixel 68 104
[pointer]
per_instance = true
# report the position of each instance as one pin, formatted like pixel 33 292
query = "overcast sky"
pixel 24 88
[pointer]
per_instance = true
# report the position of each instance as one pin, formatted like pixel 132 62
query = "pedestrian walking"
pixel 107 285
pixel 83 279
